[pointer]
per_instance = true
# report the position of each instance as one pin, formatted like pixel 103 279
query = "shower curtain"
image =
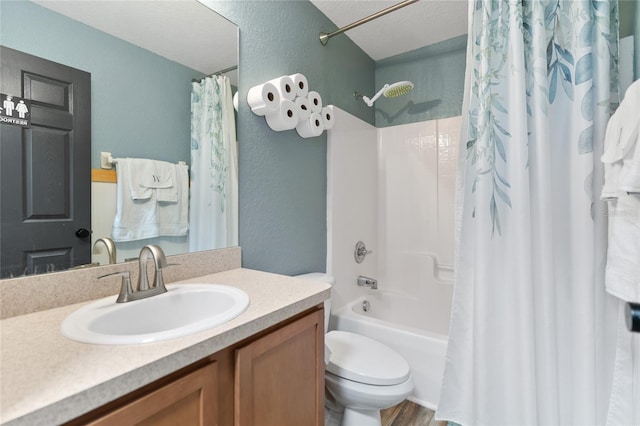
pixel 532 336
pixel 213 203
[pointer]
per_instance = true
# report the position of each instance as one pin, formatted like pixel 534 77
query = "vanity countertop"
pixel 46 378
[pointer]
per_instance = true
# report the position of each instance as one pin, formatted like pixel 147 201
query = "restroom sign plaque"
pixel 15 111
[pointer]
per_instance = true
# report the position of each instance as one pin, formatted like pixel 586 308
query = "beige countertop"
pixel 47 379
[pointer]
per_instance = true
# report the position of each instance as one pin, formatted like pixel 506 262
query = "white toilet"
pixel 363 375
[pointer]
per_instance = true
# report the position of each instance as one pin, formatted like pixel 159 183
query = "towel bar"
pixel 107 161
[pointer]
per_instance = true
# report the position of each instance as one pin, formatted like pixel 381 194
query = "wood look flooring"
pixel 408 413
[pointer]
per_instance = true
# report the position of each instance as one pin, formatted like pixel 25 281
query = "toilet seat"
pixel 364 360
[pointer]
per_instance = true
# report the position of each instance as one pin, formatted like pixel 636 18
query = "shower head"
pixel 390 91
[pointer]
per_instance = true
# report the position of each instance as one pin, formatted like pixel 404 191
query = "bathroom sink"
pixel 182 310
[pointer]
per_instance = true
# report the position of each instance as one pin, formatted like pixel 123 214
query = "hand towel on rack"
pixel 173 215
pixel 142 218
pixel 149 176
pixel 162 180
pixel 134 170
pixel 621 156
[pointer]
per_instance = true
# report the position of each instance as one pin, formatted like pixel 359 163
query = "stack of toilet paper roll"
pixel 287 103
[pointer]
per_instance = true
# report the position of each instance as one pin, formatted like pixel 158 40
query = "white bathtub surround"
pixel 394 189
pixel 416 194
pixel 532 329
pixel 352 202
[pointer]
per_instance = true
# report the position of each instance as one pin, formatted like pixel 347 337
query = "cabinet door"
pixel 280 377
pixel 190 400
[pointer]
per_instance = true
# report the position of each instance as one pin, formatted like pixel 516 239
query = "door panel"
pixel 45 171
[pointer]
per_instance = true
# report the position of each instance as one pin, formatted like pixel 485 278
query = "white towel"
pixel 621 156
pixel 149 176
pixel 141 218
pixel 134 171
pixel 174 215
pixel 621 189
pixel 622 276
pixel 629 177
pixel 168 193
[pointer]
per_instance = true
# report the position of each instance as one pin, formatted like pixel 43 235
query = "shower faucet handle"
pixel 360 252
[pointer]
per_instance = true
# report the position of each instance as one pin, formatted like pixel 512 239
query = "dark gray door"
pixel 45 168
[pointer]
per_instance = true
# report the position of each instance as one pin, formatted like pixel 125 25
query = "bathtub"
pixel 391 319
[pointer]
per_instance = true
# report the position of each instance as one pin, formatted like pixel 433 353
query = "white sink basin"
pixel 182 310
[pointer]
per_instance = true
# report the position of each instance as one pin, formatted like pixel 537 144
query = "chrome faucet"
pixel 143 290
pixel 367 282
pixel 109 244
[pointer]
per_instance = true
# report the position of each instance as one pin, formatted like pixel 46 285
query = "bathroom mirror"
pixel 181 37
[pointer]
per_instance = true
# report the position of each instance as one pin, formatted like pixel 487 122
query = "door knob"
pixel 83 233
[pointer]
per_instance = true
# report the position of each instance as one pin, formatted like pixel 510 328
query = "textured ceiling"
pixel 180 30
pixel 416 25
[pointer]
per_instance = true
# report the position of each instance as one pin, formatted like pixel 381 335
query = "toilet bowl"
pixel 362 375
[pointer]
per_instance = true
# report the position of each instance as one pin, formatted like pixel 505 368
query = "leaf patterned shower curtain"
pixel 213 203
pixel 532 336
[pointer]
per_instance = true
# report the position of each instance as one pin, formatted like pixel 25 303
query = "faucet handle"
pixel 360 252
pixel 125 289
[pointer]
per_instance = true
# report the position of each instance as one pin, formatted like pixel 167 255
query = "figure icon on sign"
pixel 8 105
pixel 22 109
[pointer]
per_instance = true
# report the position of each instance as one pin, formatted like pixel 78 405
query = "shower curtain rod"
pixel 224 71
pixel 324 37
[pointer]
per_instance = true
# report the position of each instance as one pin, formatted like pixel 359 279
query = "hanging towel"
pixel 139 212
pixel 159 176
pixel 173 215
pixel 622 191
pixel 621 156
pixel 145 176
pixel 622 276
pixel 135 170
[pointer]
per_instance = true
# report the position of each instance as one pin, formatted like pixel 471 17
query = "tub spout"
pixel 367 282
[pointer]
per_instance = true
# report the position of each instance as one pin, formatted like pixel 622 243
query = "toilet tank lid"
pixel 318 276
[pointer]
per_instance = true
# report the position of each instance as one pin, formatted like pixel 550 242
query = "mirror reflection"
pixel 147 62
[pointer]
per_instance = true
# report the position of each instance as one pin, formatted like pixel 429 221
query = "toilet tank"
pixel 324 278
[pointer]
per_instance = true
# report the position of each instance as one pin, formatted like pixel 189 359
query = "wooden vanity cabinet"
pixel 189 400
pixel 279 378
pixel 273 378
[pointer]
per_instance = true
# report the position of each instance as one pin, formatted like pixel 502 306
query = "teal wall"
pixel 140 104
pixel 438 74
pixel 283 178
